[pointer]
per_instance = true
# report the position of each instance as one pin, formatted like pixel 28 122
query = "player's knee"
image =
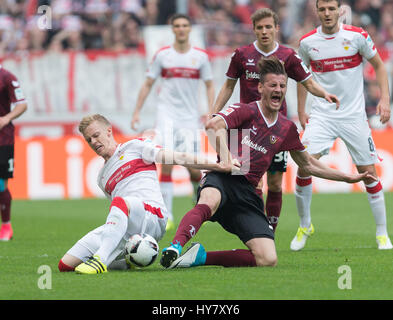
pixel 210 197
pixel 266 259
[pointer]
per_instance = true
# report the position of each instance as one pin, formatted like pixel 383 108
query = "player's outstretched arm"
pixel 195 161
pixel 317 168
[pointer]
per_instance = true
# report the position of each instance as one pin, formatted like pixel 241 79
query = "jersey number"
pixel 10 165
pixel 281 156
pixel 371 144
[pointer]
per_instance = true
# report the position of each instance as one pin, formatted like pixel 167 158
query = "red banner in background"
pixel 65 167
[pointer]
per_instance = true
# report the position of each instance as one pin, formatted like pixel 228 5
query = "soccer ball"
pixel 141 250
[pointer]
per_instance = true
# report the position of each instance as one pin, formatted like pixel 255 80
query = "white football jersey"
pixel 337 63
pixel 181 72
pixel 131 172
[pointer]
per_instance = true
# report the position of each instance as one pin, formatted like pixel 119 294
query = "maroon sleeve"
pixel 235 69
pixel 13 89
pixel 296 68
pixel 292 140
pixel 234 115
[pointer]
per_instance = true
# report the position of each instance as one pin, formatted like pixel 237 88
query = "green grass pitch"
pixel 344 236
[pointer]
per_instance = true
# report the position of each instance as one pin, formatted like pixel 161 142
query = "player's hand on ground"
pixel 383 110
pixel 365 176
pixel 303 119
pixel 135 121
pixel 333 99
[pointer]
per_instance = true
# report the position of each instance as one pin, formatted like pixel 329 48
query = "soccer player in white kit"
pixel 181 67
pixel 335 53
pixel 129 179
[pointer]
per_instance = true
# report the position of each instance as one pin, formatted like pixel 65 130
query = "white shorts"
pixel 140 220
pixel 181 137
pixel 319 137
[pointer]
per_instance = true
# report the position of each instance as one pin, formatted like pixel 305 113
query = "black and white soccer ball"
pixel 141 250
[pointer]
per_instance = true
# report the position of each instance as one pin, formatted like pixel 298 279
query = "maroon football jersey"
pixel 243 66
pixel 253 142
pixel 10 92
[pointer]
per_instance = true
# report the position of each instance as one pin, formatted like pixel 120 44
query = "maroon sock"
pixel 231 258
pixel 5 205
pixel 191 223
pixel 273 207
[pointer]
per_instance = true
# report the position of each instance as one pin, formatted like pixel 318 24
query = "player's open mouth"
pixel 98 148
pixel 276 98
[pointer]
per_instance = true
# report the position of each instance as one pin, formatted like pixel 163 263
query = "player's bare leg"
pixel 69 263
pixel 376 200
pixel 274 197
pixel 264 251
pixel 303 196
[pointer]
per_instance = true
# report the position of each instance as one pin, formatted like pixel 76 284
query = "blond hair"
pixel 86 121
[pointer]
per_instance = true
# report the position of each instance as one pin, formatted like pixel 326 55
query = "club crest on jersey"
pixel 273 139
pixel 318 66
pixel 346 44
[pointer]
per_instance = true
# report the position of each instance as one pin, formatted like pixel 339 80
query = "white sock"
pixel 376 199
pixel 167 194
pixel 114 230
pixel 303 196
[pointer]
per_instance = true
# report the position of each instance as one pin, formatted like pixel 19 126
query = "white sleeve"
pixel 154 69
pixel 302 52
pixel 148 150
pixel 366 46
pixel 206 70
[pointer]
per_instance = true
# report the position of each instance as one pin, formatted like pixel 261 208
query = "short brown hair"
pixel 178 16
pixel 264 13
pixel 338 2
pixel 86 121
pixel 270 65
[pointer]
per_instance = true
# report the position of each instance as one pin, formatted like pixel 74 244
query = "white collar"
pixel 269 125
pixel 266 54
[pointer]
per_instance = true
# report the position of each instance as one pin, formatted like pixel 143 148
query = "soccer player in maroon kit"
pixel 243 66
pixel 249 135
pixel 12 105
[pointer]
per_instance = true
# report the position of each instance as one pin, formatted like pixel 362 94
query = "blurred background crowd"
pixel 117 24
